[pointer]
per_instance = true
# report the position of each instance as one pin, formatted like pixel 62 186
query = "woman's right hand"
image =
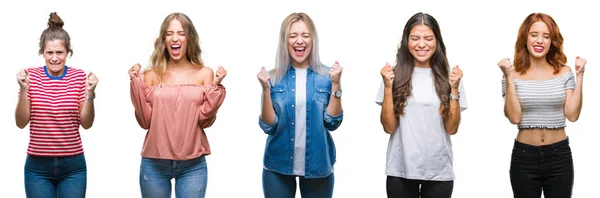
pixel 264 77
pixel 134 69
pixel 387 73
pixel 23 78
pixel 506 67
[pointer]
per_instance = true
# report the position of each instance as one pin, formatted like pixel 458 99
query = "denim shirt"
pixel 320 149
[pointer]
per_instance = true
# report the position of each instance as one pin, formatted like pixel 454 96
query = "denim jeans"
pixel 398 187
pixel 276 185
pixel 190 177
pixel 55 177
pixel 547 168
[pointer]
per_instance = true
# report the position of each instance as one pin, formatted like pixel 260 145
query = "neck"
pixel 422 64
pixel 302 65
pixel 178 64
pixel 56 74
pixel 538 63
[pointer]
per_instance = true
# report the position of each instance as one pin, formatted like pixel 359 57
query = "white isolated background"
pixel 110 36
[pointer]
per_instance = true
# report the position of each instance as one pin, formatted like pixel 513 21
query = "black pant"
pixel 398 187
pixel 536 168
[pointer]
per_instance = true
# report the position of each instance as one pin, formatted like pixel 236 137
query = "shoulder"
pixel 205 75
pixel 150 78
pixel 564 69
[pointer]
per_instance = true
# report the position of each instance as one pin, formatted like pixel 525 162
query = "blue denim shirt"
pixel 320 149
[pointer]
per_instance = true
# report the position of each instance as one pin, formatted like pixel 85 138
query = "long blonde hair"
pixel 282 61
pixel 160 56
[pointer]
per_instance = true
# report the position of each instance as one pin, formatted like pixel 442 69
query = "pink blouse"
pixel 175 116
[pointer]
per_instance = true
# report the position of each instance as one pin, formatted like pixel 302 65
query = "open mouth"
pixel 299 51
pixel 176 49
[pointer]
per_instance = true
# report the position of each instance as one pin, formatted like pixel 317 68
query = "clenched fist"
pixel 91 82
pixel 387 73
pixel 219 75
pixel 135 69
pixel 455 77
pixel 264 77
pixel 580 66
pixel 23 78
pixel 506 67
pixel 335 73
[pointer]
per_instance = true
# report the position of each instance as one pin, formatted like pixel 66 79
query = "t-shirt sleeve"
pixel 379 98
pixel 570 84
pixel 463 95
pixel 81 82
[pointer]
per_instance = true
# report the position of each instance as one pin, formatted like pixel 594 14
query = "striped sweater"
pixel 542 101
pixel 54 123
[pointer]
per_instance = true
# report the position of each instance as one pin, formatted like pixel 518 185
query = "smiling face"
pixel 176 41
pixel 299 44
pixel 538 40
pixel 55 55
pixel 422 44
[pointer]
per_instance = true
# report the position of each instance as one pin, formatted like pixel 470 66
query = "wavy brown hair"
pixel 160 56
pixel 405 63
pixel 555 56
pixel 55 31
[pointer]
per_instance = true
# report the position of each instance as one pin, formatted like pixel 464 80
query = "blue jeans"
pixel 52 177
pixel 276 185
pixel 190 177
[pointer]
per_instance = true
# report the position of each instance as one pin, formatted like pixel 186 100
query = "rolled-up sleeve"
pixel 268 128
pixel 332 122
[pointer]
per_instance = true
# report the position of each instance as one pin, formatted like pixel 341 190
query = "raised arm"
pixel 512 107
pixel 388 117
pixel 267 119
pixel 86 107
pixel 213 97
pixel 139 91
pixel 23 111
pixel 574 99
pixel 334 115
pixel 452 121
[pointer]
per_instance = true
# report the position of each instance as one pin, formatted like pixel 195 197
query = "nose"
pixel 539 39
pixel 421 44
pixel 175 38
pixel 300 40
pixel 54 58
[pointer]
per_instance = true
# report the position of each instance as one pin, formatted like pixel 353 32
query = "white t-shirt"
pixel 420 148
pixel 300 136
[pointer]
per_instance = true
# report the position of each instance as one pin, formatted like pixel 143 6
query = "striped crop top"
pixel 542 101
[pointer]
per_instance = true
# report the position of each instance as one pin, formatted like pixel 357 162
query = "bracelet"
pixel 90 97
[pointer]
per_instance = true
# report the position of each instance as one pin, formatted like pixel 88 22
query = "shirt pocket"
pixel 322 95
pixel 277 94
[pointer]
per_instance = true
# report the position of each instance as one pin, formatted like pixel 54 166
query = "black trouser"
pixel 536 168
pixel 398 187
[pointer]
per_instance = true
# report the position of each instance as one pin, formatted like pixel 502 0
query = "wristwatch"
pixel 90 97
pixel 455 97
pixel 337 93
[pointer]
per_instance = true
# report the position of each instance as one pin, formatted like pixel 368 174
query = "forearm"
pixel 23 111
pixel 87 113
pixel 335 104
pixel 452 122
pixel 512 107
pixel 388 118
pixel 267 113
pixel 573 107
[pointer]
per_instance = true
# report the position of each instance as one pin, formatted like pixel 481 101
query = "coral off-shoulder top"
pixel 175 116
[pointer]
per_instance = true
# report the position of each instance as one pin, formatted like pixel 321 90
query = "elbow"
pixel 86 126
pixel 514 119
pixel 573 118
pixel 452 131
pixel 21 125
pixel 389 129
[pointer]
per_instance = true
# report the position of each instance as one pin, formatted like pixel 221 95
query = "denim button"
pixel 292 105
pixel 292 123
pixel 292 139
pixel 293 89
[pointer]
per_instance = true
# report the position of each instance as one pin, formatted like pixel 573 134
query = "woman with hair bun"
pixel 55 100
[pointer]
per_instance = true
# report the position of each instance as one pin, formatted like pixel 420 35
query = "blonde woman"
pixel 301 105
pixel 175 98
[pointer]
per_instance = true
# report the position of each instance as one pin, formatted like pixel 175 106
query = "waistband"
pixel 562 143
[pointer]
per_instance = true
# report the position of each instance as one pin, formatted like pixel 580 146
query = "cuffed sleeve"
pixel 332 122
pixel 268 128
pixel 213 98
pixel 140 97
